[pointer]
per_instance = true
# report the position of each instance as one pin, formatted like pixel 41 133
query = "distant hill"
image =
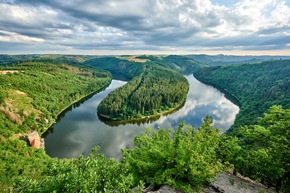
pixel 119 68
pixel 222 60
pixel 6 60
pixel 181 64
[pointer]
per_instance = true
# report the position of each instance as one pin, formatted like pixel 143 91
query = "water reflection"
pixel 81 129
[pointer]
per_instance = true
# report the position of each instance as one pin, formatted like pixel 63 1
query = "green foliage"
pixel 153 87
pixel 120 69
pixel 2 96
pixel 269 144
pixel 181 64
pixel 263 150
pixel 223 60
pixel 257 86
pixel 51 87
pixel 92 174
pixel 17 159
pixel 75 60
pixel 184 159
pixel 157 89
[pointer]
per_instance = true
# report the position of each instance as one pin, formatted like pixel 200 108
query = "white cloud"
pixel 281 14
pixel 14 37
pixel 27 15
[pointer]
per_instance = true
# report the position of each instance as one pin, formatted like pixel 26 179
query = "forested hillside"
pixel 257 86
pixel 119 68
pixel 224 60
pixel 181 64
pixel 6 60
pixel 32 95
pixel 41 90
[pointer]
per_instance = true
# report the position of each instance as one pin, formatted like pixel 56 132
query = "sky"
pixel 133 27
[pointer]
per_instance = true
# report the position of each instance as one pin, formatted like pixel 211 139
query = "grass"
pixel 133 59
pixel 17 106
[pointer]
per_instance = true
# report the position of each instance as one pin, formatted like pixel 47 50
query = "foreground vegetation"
pixel 186 159
pixel 262 151
pixel 257 86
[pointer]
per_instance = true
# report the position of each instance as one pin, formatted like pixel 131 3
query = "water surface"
pixel 80 129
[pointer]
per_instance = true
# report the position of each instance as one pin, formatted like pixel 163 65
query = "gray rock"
pixel 165 189
pixel 224 183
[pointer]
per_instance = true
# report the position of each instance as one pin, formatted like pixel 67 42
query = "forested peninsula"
pixel 154 91
pixel 153 88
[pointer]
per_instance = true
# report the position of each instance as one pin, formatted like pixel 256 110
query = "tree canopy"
pixel 155 90
pixel 262 153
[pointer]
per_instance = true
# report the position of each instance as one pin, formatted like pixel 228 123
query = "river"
pixel 78 130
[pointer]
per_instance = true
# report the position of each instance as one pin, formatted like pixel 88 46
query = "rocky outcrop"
pixel 165 189
pixel 229 183
pixel 35 140
pixel 224 183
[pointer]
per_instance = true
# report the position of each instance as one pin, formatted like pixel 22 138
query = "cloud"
pixel 147 25
pixel 14 37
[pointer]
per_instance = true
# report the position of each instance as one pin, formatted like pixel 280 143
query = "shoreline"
pixel 227 94
pixel 114 122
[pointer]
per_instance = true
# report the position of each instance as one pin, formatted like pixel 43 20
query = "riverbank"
pixel 227 94
pixel 81 129
pixel 143 119
pixel 64 110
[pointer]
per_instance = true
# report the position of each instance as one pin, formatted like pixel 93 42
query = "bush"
pixel 92 174
pixel 184 159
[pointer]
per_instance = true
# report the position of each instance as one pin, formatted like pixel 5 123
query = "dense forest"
pixel 6 60
pixel 181 64
pixel 155 90
pixel 36 88
pixel 119 68
pixel 257 86
pixel 225 60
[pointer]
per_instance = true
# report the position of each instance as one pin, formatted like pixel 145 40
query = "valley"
pixel 36 89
